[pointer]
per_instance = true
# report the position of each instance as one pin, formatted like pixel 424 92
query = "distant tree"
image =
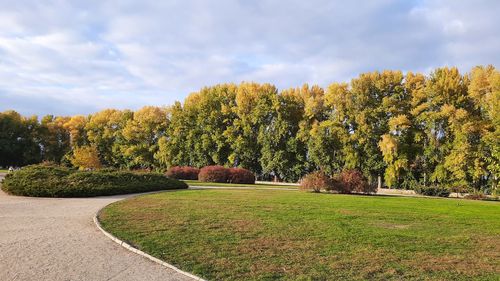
pixel 86 157
pixel 141 135
pixel 19 139
pixel 104 131
pixel 76 128
pixel 283 154
pixel 54 138
pixel 442 129
pixel 253 106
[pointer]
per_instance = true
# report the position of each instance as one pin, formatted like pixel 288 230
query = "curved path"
pixel 56 239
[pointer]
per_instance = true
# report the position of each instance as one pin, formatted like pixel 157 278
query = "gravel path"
pixel 56 239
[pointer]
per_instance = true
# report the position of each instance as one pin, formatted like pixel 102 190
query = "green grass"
pixel 257 185
pixel 272 234
pixel 4 171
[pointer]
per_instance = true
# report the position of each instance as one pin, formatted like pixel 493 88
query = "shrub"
pixel 49 181
pixel 316 181
pixel 353 181
pixel 213 174
pixel 240 175
pixel 476 195
pixel 183 173
pixel 432 190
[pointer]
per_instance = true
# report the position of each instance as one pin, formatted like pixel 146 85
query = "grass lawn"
pixel 4 171
pixel 272 234
pixel 259 185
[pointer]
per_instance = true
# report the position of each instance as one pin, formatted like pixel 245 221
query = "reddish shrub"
pixel 316 181
pixel 214 174
pixel 354 181
pixel 240 175
pixel 476 196
pixel 183 173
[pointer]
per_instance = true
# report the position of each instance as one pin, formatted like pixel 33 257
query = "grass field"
pixel 258 185
pixel 4 171
pixel 269 235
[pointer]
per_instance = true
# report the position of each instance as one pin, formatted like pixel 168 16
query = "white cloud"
pixel 82 56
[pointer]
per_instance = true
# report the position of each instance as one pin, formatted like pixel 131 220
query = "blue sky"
pixel 78 57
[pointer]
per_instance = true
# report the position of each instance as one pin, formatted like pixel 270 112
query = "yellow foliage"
pixel 76 125
pixel 389 147
pixel 399 122
pixel 86 157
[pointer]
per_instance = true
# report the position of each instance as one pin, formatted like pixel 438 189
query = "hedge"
pixel 348 181
pixel 354 181
pixel 214 174
pixel 54 181
pixel 316 181
pixel 240 175
pixel 183 173
pixel 432 190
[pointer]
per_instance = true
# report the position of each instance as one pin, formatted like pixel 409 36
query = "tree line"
pixel 404 129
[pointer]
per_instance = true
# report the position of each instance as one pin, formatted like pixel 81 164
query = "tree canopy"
pixel 442 128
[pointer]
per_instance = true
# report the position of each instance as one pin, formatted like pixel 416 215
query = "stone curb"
pixel 139 252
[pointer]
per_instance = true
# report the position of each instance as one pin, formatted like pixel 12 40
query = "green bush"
pixel 54 181
pixel 432 190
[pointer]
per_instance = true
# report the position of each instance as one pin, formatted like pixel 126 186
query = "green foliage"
pixel 141 135
pixel 18 139
pixel 441 129
pixel 55 181
pixel 432 190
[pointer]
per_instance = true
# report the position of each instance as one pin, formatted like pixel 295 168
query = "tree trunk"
pixel 379 186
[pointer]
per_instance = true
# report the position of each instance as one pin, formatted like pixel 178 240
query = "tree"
pixel 445 92
pixel 173 147
pixel 325 146
pixel 19 139
pixel 484 91
pixel 283 154
pixel 76 128
pixel 54 138
pixel 440 129
pixel 86 157
pixel 141 135
pixel 104 131
pixel 253 104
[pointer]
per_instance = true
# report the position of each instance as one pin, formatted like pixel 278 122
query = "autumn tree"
pixel 86 157
pixel 141 134
pixel 253 105
pixel 54 138
pixel 76 128
pixel 484 92
pixel 104 131
pixel 283 154
pixel 403 129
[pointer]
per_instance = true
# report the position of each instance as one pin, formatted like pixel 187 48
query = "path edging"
pixel 139 252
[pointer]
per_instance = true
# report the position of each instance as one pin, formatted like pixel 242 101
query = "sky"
pixel 81 56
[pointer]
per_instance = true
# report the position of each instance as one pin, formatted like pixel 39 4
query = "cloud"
pixel 82 56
